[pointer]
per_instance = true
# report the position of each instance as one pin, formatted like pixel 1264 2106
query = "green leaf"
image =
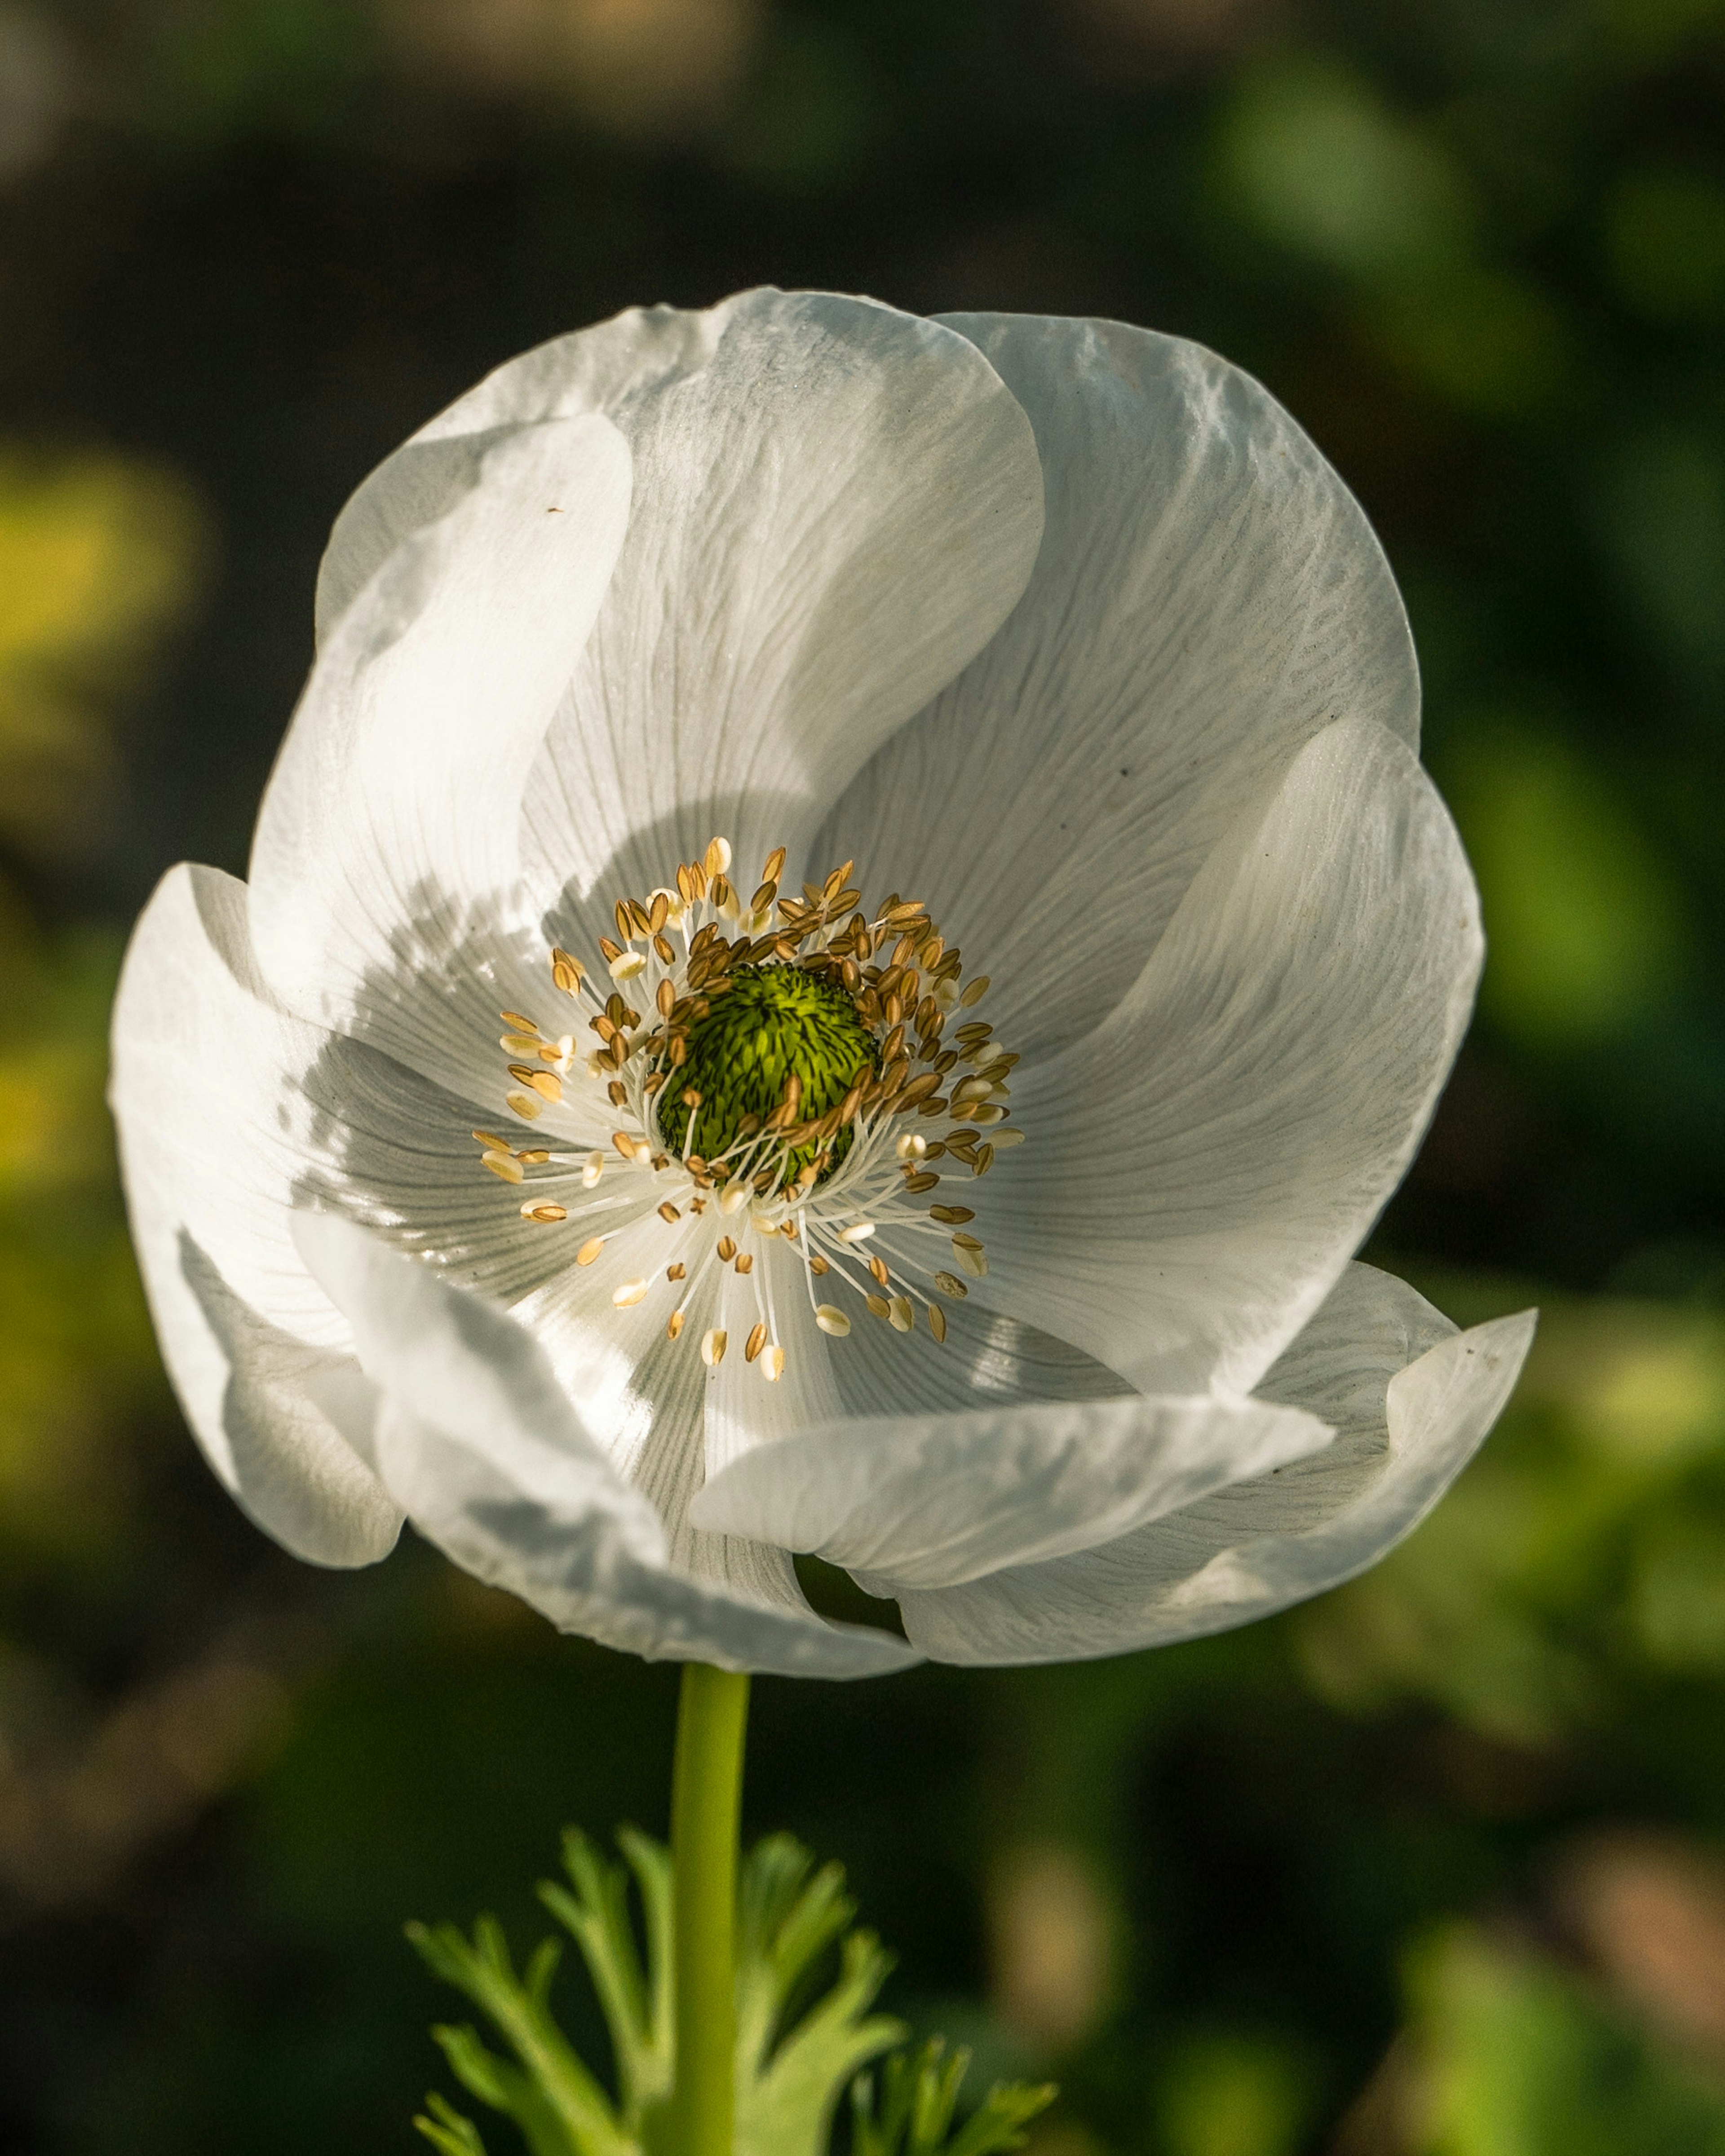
pixel 787 2109
pixel 597 1915
pixel 918 2093
pixel 785 1921
pixel 791 2073
pixel 447 2131
pixel 550 2094
pixel 797 2047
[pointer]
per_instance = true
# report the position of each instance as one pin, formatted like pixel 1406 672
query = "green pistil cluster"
pixel 768 1025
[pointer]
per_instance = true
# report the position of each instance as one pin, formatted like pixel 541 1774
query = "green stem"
pixel 706 1803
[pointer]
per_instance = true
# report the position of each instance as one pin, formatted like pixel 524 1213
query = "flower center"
pixel 773 1102
pixel 775 1033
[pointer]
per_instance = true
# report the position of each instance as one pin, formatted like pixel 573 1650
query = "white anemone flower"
pixel 847 939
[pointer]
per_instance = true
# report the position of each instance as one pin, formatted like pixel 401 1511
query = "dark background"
pixel 1430 1868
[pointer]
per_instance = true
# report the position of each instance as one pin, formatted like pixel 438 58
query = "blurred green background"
pixel 1433 1867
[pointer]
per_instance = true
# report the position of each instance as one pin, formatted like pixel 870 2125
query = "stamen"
pixel 545 1083
pixel 790 1048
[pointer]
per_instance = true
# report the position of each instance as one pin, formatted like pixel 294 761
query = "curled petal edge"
pixel 1439 1410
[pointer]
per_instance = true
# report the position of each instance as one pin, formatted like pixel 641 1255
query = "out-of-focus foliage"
pixel 1432 1868
pixel 1235 2093
pixel 1507 2050
pixel 98 554
pixel 76 1342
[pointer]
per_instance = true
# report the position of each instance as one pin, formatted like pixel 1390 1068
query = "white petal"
pixel 1201 1167
pixel 200 1098
pixel 485 1450
pixel 745 1412
pixel 1408 1429
pixel 934 1501
pixel 593 370
pixel 986 1360
pixel 1369 1328
pixel 835 506
pixel 1208 597
pixel 385 868
pixel 664 1420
